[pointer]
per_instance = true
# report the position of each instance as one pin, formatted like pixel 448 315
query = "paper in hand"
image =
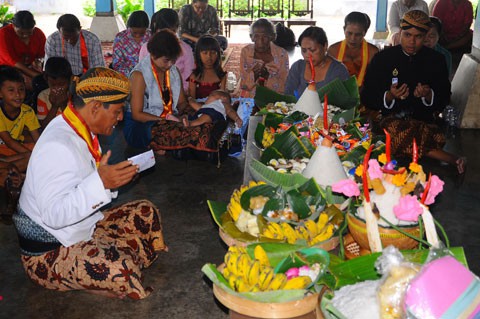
pixel 144 160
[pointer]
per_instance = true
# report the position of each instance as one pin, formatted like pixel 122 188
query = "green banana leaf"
pixel 348 115
pixel 343 94
pixel 263 96
pixel 276 252
pixel 259 190
pixel 296 116
pixel 217 209
pixel 270 153
pixel 261 172
pixel 308 144
pixel 289 145
pixel 259 134
pixel 273 120
pixel 363 268
pixel 298 204
pixel 306 256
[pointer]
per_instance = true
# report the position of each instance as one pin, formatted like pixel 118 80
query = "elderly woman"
pixel 355 52
pixel 200 18
pixel 262 62
pixel 127 43
pixel 22 45
pixel 431 41
pixel 313 42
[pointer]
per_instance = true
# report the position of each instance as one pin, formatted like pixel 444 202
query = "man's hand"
pixel 114 176
pixel 399 92
pixel 423 90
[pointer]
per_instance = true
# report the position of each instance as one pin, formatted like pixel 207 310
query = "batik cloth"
pixel 124 242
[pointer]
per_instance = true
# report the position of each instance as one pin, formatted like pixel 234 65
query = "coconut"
pixel 309 103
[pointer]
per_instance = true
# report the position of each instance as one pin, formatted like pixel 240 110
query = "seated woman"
pixel 209 75
pixel 197 19
pixel 22 46
pixel 127 43
pixel 456 17
pixel 156 92
pixel 262 61
pixel 168 19
pixel 355 52
pixel 313 42
pixel 431 41
pixel 408 84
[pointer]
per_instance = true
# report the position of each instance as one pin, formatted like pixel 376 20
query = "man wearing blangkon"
pixel 66 242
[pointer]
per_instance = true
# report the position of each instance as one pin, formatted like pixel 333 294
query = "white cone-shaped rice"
pixel 325 166
pixel 309 103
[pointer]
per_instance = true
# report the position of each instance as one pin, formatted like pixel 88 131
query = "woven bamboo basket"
pixel 328 245
pixel 388 236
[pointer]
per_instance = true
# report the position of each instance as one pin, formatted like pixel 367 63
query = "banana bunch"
pixel 245 274
pixel 313 232
pixel 234 208
pixel 268 138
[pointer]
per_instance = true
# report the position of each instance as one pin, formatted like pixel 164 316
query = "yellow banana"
pixel 267 232
pixel 226 273
pixel 322 221
pixel 232 282
pixel 302 233
pixel 241 285
pixel 231 262
pixel 243 265
pixel 265 278
pixel 289 233
pixel 300 282
pixel 254 273
pixel 261 255
pixel 277 282
pixel 276 229
pixel 323 235
pixel 311 226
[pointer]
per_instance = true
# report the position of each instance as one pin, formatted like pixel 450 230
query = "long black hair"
pixel 208 43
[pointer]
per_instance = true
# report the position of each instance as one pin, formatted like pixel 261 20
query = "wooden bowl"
pixel 256 309
pixel 388 236
pixel 329 244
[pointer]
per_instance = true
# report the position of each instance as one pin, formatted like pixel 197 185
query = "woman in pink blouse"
pixel 262 62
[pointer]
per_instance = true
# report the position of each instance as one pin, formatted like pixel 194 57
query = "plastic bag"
pixel 396 275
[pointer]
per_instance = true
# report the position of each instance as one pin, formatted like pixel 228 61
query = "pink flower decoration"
pixel 436 187
pixel 408 208
pixel 374 170
pixel 347 187
pixel 292 273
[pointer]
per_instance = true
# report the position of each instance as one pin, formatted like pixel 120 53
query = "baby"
pixel 217 107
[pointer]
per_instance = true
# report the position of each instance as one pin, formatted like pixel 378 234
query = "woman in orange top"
pixel 355 52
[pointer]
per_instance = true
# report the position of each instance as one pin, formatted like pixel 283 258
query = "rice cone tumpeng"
pixel 309 103
pixel 325 165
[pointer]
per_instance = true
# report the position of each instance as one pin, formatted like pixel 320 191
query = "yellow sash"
pixel 167 105
pixel 71 116
pixel 363 69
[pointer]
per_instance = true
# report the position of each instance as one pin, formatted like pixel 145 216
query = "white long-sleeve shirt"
pixel 63 191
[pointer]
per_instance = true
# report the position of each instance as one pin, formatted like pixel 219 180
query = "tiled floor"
pixel 181 189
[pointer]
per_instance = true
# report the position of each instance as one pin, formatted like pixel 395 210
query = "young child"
pixel 52 101
pixel 208 75
pixel 217 107
pixel 15 116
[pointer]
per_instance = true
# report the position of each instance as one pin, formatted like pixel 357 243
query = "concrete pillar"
pixel 106 23
pixel 381 31
pixel 466 84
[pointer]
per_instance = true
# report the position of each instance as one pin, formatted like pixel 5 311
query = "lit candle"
pixel 427 188
pixel 364 174
pixel 388 142
pixel 415 151
pixel 312 68
pixel 325 112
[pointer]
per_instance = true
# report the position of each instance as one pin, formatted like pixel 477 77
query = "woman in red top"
pixel 456 17
pixel 22 46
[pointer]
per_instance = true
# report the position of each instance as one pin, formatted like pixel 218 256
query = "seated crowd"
pixel 162 71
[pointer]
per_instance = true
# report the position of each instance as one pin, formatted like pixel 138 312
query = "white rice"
pixel 358 301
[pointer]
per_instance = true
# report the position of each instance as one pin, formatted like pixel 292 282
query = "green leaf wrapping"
pixel 259 190
pixel 217 209
pixel 263 96
pixel 261 172
pixel 259 134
